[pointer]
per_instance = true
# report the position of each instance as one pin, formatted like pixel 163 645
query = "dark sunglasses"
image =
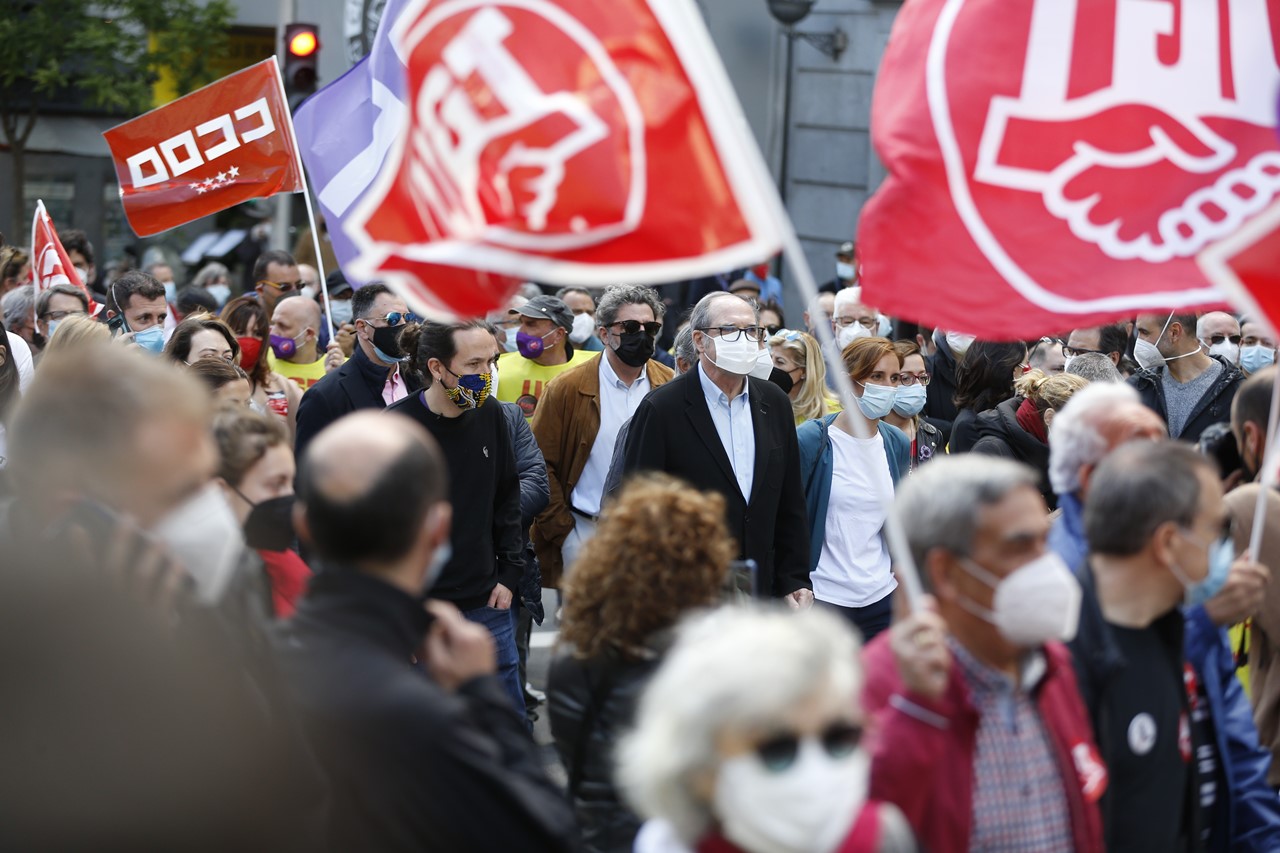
pixel 1214 340
pixel 779 753
pixel 630 327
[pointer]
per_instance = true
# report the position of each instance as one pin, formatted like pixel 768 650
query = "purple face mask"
pixel 530 346
pixel 283 347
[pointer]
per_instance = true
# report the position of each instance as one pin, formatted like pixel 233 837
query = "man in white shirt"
pixel 578 419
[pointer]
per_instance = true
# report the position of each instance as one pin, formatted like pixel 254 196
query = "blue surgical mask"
pixel 1221 553
pixel 909 400
pixel 170 292
pixel 151 340
pixel 876 400
pixel 53 327
pixel 1255 357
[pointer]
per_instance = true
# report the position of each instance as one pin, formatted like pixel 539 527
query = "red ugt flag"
pixel 50 264
pixel 215 148
pixel 1058 163
pixel 565 141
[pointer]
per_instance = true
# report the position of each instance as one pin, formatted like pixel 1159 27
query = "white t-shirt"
pixel 854 569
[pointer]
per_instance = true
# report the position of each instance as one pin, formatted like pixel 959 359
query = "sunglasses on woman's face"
pixel 778 753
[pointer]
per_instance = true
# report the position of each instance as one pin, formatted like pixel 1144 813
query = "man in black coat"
pixel 724 431
pixel 420 756
pixel 371 378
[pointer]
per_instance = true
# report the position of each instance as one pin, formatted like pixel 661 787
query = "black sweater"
pixel 411 766
pixel 485 492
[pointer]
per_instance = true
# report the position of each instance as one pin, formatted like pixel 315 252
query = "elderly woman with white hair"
pixel 719 764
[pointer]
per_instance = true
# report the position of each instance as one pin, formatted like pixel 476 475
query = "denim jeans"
pixel 502 625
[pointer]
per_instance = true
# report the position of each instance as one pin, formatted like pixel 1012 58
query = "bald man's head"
pixel 298 311
pixel 367 485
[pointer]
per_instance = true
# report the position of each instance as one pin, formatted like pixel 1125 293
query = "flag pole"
pixel 306 199
pixel 903 563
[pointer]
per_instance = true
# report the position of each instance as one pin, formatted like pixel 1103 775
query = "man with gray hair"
pixel 55 304
pixel 722 429
pixel 983 740
pixel 19 307
pixel 1219 333
pixel 1094 366
pixel 1155 523
pixel 686 355
pixel 580 415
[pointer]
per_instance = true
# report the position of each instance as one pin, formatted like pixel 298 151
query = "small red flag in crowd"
pixel 217 147
pixel 1246 266
pixel 50 264
pixel 564 141
pixel 1074 173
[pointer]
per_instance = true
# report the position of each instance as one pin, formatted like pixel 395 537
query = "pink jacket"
pixel 923 751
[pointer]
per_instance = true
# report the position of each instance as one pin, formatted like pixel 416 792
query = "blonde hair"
pixel 1049 392
pixel 811 399
pixel 75 332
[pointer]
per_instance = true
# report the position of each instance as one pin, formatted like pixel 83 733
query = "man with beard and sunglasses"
pixel 457 407
pixel 580 415
pixel 373 377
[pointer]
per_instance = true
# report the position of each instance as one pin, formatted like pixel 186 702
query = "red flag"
pixel 215 148
pixel 1056 164
pixel 564 141
pixel 1246 266
pixel 49 262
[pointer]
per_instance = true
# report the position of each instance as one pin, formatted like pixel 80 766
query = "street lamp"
pixel 832 44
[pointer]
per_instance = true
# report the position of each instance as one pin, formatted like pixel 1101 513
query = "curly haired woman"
pixel 661 549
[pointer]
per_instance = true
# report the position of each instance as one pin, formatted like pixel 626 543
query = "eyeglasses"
pixel 864 322
pixel 630 327
pixel 779 753
pixel 1072 352
pixel 729 334
pixel 60 315
pixel 283 286
pixel 908 378
pixel 399 318
pixel 1214 340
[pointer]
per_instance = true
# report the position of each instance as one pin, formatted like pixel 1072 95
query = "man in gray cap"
pixel 543 351
pixel 846 269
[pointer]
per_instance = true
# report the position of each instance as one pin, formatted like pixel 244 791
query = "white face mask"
pixel 1148 354
pixel 220 293
pixel 341 311
pixel 493 378
pixel 844 271
pixel 850 333
pixel 764 365
pixel 806 808
pixel 206 538
pixel 738 357
pixel 583 326
pixel 1039 601
pixel 959 343
pixel 885 327
pixel 1228 350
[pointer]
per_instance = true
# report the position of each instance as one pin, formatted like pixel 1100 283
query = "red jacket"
pixel 922 752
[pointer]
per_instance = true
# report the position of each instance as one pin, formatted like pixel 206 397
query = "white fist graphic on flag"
pixel 1182 72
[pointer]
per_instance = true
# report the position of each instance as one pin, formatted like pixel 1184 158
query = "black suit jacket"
pixel 338 393
pixel 672 431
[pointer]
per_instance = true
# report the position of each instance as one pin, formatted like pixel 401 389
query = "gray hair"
pixel 851 296
pixel 700 317
pixel 939 504
pixel 46 296
pixel 529 290
pixel 208 273
pixel 1094 366
pixel 17 304
pixel 1075 437
pixel 684 348
pixel 711 682
pixel 627 294
pixel 1138 487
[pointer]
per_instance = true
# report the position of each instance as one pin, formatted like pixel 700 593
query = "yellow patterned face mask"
pixel 471 391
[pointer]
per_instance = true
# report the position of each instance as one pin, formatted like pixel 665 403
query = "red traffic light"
pixel 303 43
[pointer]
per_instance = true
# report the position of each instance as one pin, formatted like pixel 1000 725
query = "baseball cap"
pixel 743 285
pixel 546 307
pixel 846 248
pixel 337 282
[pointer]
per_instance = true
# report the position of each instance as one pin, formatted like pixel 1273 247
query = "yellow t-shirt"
pixel 833 406
pixel 304 375
pixel 521 380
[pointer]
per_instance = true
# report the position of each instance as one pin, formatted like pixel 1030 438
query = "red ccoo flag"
pixel 219 146
pixel 49 262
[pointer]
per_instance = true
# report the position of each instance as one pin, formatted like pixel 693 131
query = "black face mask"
pixel 635 349
pixel 387 339
pixel 269 526
pixel 782 379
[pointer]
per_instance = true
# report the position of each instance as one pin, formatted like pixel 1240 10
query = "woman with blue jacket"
pixel 848 487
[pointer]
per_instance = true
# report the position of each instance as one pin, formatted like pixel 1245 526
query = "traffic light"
pixel 301 54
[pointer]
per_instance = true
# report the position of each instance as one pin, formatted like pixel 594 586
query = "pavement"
pixel 541 649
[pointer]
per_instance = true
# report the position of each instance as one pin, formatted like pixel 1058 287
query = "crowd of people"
pixel 272 573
